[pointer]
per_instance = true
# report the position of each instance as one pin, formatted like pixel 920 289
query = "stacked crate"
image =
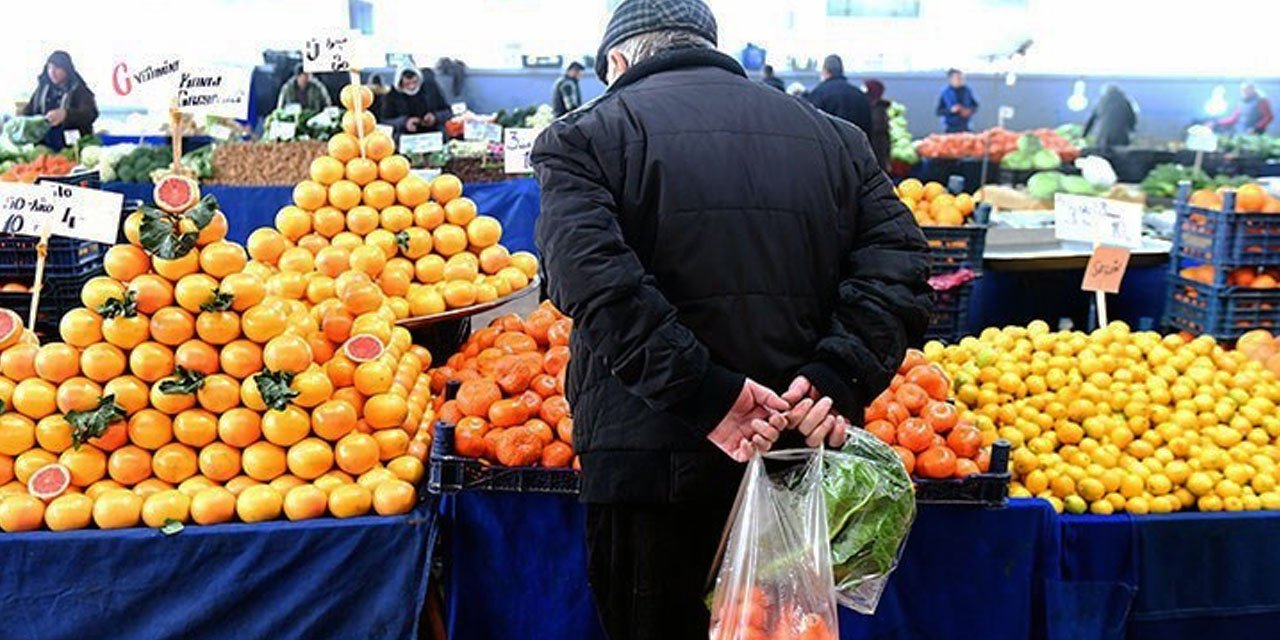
pixel 952 249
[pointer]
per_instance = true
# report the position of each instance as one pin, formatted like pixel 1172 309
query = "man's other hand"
pixel 746 429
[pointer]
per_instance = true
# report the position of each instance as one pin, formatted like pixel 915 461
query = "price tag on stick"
pixel 1105 269
pixel 330 52
pixel 517 144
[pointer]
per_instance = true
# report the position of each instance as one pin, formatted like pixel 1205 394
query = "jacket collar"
pixel 677 59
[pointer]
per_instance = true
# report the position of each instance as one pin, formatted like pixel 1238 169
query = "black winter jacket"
pixel 699 228
pixel 841 99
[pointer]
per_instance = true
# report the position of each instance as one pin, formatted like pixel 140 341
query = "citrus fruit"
pixel 116 509
pixel 349 501
pixel 212 505
pixel 69 512
pixel 49 481
pixel 394 497
pixel 259 503
pixel 305 502
pixel 21 512
pixel 163 506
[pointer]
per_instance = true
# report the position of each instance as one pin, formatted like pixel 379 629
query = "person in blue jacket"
pixel 956 104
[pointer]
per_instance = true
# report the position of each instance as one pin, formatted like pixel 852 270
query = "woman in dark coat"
pixel 879 133
pixel 1112 120
pixel 62 97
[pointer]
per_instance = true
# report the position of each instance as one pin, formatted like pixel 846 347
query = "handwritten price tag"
pixel 214 91
pixel 74 212
pixel 332 52
pixel 24 208
pixel 1105 269
pixel 421 142
pixel 517 145
pixel 1097 220
pixel 478 131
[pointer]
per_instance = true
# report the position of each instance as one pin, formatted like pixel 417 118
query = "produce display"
pixel 900 146
pixel 511 409
pixel 204 381
pixel 141 162
pixel 1248 277
pixel 1162 181
pixel 1043 185
pixel 1116 420
pixel 264 163
pixel 1262 146
pixel 915 416
pixel 932 205
pixel 1030 154
pixel 1250 198
pixel 1002 142
pixel 44 165
pixel 308 124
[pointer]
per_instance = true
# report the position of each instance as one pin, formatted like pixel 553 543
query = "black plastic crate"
pixel 67 257
pixel 451 474
pixel 1221 311
pixel 949 320
pixel 953 248
pixel 58 296
pixel 986 489
pixel 1225 238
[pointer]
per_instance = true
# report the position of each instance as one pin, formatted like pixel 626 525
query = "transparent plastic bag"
pixel 775 576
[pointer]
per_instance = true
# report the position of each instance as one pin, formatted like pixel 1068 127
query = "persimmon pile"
pixel 510 408
pixel 924 428
pixel 204 381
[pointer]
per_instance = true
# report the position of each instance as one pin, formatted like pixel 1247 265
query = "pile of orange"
pixel 1261 346
pixel 1251 277
pixel 224 384
pixel 510 408
pixel 932 205
pixel 1250 198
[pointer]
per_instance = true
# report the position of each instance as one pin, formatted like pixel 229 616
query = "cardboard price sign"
pixel 151 81
pixel 475 130
pixel 1105 269
pixel 517 145
pixel 421 142
pixel 72 212
pixel 332 52
pixel 214 91
pixel 1097 220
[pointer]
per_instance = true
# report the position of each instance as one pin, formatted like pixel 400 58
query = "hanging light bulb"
pixel 1011 78
pixel 1078 100
pixel 1217 104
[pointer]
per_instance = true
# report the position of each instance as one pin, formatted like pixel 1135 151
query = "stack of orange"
pixel 209 386
pixel 1261 346
pixel 1250 198
pixel 932 205
pixel 510 409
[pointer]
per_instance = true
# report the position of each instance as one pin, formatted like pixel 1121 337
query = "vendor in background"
pixel 836 96
pixel 879 133
pixel 415 106
pixel 768 78
pixel 1113 119
pixel 64 100
pixel 956 104
pixel 1252 115
pixel 304 90
pixel 566 95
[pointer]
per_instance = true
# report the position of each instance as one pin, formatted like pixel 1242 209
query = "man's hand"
pixel 746 430
pixel 411 124
pixel 429 120
pixel 56 117
pixel 811 414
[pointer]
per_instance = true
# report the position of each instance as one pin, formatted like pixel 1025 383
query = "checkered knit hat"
pixel 635 17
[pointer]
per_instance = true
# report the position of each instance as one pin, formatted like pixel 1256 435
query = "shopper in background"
pixel 838 97
pixel 879 133
pixel 956 104
pixel 566 95
pixel 1112 120
pixel 304 90
pixel 768 78
pixel 64 100
pixel 416 104
pixel 1252 115
pixel 716 242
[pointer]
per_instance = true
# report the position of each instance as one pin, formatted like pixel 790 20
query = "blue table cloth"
pixel 515 568
pixel 328 578
pixel 513 202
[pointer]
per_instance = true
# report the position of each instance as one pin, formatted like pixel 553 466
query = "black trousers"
pixel 649 566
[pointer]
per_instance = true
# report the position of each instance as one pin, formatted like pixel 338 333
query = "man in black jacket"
pixel 838 97
pixel 716 242
pixel 566 95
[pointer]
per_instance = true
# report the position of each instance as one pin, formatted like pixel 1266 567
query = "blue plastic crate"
pixel 1225 239
pixel 1223 312
pixel 953 248
pixel 949 320
pixel 67 257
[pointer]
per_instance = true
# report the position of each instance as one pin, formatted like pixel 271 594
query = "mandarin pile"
pixel 511 409
pixel 204 383
pixel 932 205
pixel 1116 420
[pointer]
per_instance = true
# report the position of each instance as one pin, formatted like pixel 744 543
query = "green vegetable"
pixel 1077 185
pixel 1046 159
pixel 1044 184
pixel 22 130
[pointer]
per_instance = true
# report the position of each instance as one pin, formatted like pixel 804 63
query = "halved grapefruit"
pixel 49 481
pixel 363 348
pixel 176 193
pixel 10 328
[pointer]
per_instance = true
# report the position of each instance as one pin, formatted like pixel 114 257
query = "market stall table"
pixel 327 578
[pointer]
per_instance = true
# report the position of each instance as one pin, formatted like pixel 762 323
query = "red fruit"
pixel 363 348
pixel 942 416
pixel 898 379
pixel 913 359
pixel 966 467
pixel 912 397
pixel 877 410
pixel 915 434
pixel 936 463
pixel 895 412
pixel 175 193
pixel 983 459
pixel 932 379
pixel 49 481
pixel 908 458
pixel 884 430
pixel 965 440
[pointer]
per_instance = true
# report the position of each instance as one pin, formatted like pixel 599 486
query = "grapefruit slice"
pixel 10 328
pixel 49 481
pixel 175 193
pixel 363 348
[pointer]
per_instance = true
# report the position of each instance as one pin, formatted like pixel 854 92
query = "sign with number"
pixel 149 81
pixel 1106 269
pixel 214 91
pixel 517 144
pixel 73 212
pixel 421 142
pixel 1097 220
pixel 476 130
pixel 1202 138
pixel 330 52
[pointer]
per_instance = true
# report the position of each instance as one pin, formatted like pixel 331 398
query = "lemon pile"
pixel 1116 420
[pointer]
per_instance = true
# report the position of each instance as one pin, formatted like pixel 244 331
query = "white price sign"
pixel 1097 220
pixel 517 145
pixel 282 130
pixel 458 108
pixel 331 52
pixel 476 130
pixel 215 91
pixel 426 174
pixel 421 142
pixel 74 212
pixel 292 109
pixel 149 81
pixel 1202 138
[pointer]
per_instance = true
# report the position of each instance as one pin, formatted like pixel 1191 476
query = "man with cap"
pixel 566 95
pixel 735 262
